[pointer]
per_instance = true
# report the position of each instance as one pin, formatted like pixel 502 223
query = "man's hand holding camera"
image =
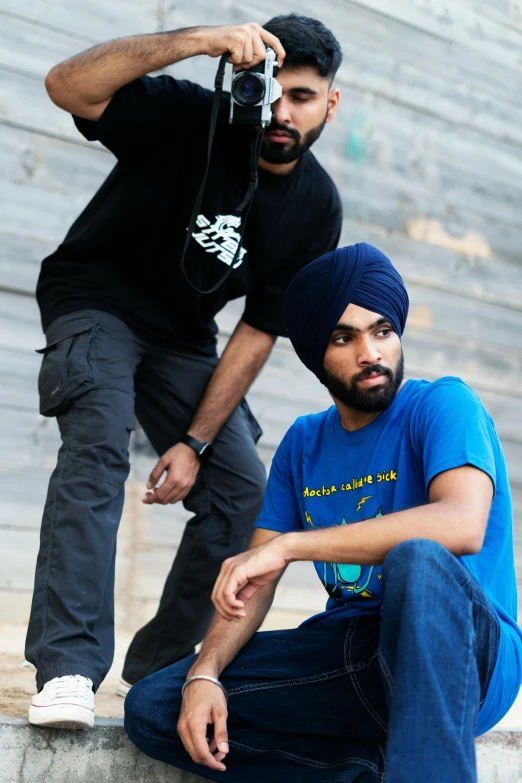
pixel 246 43
pixel 71 87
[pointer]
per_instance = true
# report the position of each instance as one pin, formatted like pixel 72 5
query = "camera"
pixel 254 91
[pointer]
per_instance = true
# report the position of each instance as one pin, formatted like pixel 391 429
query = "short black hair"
pixel 307 42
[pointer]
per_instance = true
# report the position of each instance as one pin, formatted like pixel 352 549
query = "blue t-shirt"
pixel 323 476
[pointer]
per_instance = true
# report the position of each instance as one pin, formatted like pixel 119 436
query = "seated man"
pixel 399 495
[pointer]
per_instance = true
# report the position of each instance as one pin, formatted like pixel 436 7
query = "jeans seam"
pixel 352 634
pixel 355 682
pixel 468 666
pixel 348 665
pixel 303 760
pixel 382 752
pixel 288 683
pixel 385 669
pixel 364 701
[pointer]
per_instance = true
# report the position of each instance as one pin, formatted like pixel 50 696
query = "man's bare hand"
pixel 242 576
pixel 245 42
pixel 204 705
pixel 181 464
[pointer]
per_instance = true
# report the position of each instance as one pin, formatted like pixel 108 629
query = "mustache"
pixel 293 132
pixel 374 368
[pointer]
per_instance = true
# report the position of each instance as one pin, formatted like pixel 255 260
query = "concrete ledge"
pixel 105 755
pixel 499 757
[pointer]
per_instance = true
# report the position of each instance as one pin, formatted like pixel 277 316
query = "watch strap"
pixel 201 449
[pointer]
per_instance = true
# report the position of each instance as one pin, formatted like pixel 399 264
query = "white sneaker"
pixel 123 688
pixel 64 703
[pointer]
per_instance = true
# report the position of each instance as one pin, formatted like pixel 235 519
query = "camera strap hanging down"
pixel 244 207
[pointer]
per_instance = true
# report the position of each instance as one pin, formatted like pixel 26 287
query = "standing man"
pixel 399 495
pixel 127 333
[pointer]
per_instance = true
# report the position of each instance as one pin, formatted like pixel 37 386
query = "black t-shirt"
pixel 122 254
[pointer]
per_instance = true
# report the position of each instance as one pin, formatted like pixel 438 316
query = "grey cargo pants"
pixel 96 374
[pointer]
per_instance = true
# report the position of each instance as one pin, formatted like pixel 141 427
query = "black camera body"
pixel 254 91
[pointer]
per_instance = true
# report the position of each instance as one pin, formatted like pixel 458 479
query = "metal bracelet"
pixel 204 677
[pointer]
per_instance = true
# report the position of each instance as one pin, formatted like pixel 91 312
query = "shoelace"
pixel 70 688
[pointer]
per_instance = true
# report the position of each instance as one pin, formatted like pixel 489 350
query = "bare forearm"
pixel 241 362
pixel 456 517
pixel 368 542
pixel 225 639
pixel 92 77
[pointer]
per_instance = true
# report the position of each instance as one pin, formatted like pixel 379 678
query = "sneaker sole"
pixel 62 716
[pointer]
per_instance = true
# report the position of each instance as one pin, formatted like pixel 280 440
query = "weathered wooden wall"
pixel 426 151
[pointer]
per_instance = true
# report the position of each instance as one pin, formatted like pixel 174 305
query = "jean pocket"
pixel 67 370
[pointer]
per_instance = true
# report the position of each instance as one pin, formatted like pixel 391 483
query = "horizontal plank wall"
pixel 426 152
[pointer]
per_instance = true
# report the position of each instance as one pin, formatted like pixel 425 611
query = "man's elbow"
pixel 471 536
pixel 54 84
pixel 266 342
pixel 63 92
pixel 259 344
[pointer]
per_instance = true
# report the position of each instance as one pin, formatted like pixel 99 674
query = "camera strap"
pixel 244 207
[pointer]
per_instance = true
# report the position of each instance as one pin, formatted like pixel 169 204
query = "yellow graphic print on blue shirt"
pixel 340 579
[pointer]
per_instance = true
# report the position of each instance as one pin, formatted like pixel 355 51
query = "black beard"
pixel 375 399
pixel 274 152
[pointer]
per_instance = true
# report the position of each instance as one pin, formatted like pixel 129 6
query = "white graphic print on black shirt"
pixel 220 237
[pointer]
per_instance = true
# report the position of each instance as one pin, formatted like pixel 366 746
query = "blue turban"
pixel 320 293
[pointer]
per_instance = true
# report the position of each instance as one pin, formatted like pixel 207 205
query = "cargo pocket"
pixel 252 422
pixel 67 370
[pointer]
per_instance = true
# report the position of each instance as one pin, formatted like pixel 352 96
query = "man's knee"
pixel 96 431
pixel 412 562
pixel 145 716
pixel 136 720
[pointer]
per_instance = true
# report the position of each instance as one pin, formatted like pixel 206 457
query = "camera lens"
pixel 248 88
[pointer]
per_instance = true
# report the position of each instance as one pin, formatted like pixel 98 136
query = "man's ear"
pixel 334 96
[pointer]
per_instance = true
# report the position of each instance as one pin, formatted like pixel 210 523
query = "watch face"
pixel 204 447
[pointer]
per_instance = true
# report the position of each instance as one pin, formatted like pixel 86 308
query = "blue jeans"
pixel 393 696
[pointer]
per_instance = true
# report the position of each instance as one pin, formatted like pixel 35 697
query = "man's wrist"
pixel 196 37
pixel 288 546
pixel 204 678
pixel 207 667
pixel 201 449
pixel 202 432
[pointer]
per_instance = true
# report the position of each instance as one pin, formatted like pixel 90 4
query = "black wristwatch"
pixel 201 449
